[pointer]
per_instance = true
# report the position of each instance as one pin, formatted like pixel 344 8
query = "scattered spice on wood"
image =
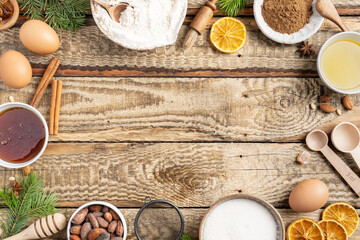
pixel 45 80
pixel 17 187
pixel 55 107
pixel 305 49
pixel 287 16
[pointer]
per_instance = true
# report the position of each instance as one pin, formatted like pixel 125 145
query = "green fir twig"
pixel 186 236
pixel 231 7
pixel 59 14
pixel 31 204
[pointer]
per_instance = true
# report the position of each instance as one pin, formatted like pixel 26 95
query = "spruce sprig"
pixel 32 203
pixel 231 7
pixel 59 14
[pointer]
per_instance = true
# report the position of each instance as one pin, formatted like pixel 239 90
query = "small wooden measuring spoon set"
pixel 346 138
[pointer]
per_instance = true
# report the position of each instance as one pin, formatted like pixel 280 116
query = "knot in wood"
pixel 285 102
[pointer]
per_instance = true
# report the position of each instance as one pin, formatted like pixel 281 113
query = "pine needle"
pixel 59 14
pixel 231 7
pixel 31 204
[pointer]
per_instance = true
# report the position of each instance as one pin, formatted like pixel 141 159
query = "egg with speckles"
pixel 308 196
pixel 39 37
pixel 15 69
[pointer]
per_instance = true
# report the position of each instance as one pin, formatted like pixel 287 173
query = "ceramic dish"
pixel 273 212
pixel 306 32
pixel 141 45
pixel 343 35
pixel 122 218
pixel 6 106
pixel 8 23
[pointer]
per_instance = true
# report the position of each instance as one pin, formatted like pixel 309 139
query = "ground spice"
pixel 287 16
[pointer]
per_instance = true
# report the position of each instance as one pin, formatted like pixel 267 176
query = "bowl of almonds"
pixel 97 221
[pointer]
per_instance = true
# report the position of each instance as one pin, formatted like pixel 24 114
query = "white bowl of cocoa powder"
pixel 287 21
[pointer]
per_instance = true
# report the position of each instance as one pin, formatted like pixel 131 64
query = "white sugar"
pixel 240 219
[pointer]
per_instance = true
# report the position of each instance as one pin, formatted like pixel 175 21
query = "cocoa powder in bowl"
pixel 287 16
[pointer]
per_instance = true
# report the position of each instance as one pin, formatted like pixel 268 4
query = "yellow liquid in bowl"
pixel 340 64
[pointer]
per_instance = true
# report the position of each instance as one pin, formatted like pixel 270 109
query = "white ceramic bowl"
pixel 6 106
pixel 276 215
pixel 122 218
pixel 139 44
pixel 343 35
pixel 306 32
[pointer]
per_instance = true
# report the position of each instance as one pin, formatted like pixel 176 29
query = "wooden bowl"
pixel 8 23
pixel 268 206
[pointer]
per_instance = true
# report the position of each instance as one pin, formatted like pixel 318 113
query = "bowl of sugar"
pixel 242 216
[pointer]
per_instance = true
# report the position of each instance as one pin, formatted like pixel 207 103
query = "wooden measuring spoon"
pixel 327 9
pixel 42 228
pixel 114 11
pixel 317 140
pixel 346 138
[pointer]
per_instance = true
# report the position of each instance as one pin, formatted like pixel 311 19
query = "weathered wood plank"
pixel 89 53
pixel 339 3
pixel 181 109
pixel 192 219
pixel 189 174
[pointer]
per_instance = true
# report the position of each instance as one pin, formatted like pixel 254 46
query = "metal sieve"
pixel 159 219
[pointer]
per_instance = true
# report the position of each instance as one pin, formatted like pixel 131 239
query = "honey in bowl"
pixel 340 64
pixel 22 135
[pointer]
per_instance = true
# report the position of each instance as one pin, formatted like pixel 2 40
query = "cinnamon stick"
pixel 52 107
pixel 55 107
pixel 45 80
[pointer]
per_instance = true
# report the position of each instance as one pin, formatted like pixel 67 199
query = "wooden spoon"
pixel 327 9
pixel 114 11
pixel 42 228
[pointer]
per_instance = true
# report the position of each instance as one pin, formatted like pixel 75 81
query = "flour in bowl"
pixel 145 24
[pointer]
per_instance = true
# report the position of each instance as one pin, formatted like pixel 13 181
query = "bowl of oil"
pixel 338 63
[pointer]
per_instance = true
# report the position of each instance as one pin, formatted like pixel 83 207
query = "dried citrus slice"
pixel 304 229
pixel 343 213
pixel 228 34
pixel 333 230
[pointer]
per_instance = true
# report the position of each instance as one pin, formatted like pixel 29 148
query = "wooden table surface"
pixel 189 127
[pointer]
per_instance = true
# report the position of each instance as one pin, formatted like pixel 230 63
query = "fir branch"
pixel 186 236
pixel 231 7
pixel 31 204
pixel 59 14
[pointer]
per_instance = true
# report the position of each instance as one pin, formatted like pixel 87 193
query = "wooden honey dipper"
pixel 200 22
pixel 42 228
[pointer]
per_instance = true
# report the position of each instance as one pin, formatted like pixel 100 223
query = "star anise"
pixel 305 49
pixel 17 187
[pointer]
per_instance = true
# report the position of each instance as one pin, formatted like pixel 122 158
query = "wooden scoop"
pixel 317 140
pixel 42 228
pixel 114 11
pixel 327 9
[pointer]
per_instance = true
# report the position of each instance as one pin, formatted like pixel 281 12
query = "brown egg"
pixel 308 196
pixel 15 69
pixel 39 37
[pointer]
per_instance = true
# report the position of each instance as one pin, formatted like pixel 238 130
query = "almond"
pixel 325 98
pixel 348 104
pixel 327 108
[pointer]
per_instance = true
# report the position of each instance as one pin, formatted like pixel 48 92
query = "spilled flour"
pixel 145 24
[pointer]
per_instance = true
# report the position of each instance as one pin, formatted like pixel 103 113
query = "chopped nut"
pixel 348 104
pixel 327 108
pixel 11 179
pixel 11 99
pixel 325 98
pixel 303 157
pixel 313 106
pixel 338 112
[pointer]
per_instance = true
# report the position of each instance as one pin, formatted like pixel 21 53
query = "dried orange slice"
pixel 228 34
pixel 304 229
pixel 333 230
pixel 343 213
